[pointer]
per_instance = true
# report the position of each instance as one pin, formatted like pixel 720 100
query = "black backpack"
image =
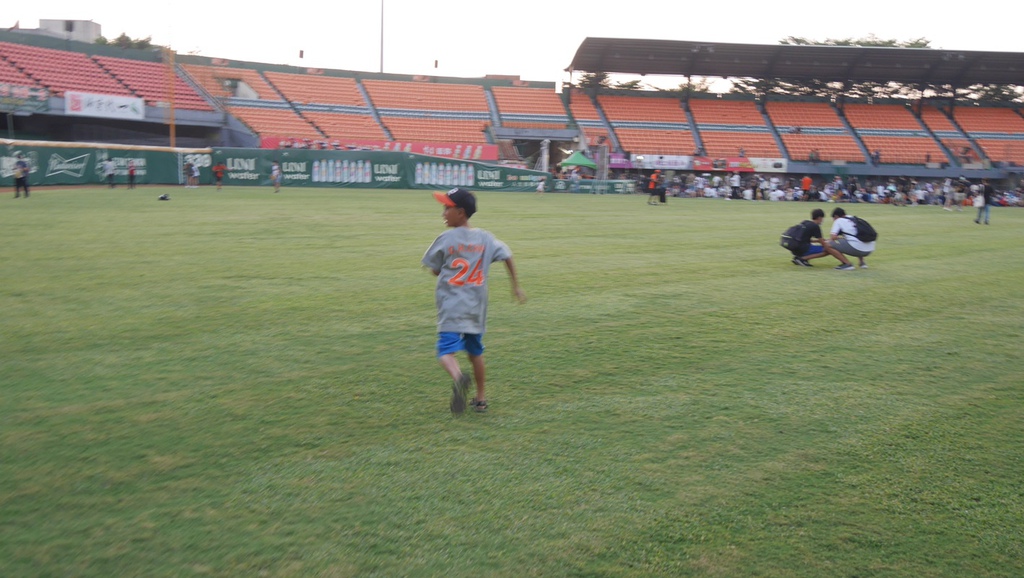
pixel 865 232
pixel 793 239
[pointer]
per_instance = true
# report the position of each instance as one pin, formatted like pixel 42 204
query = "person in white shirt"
pixel 844 238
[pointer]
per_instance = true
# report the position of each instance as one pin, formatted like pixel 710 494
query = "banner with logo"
pixel 18 98
pixel 368 169
pixel 104 106
pixel 595 187
pixel 56 164
pixel 83 164
pixel 463 151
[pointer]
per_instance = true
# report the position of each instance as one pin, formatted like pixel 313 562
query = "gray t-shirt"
pixel 462 257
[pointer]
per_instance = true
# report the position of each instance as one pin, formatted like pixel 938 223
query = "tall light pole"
pixel 382 36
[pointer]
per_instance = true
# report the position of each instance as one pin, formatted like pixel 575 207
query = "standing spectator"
pixel 652 187
pixel 987 193
pixel 131 174
pixel 195 176
pixel 108 170
pixel 186 171
pixel 275 176
pixel 734 182
pixel 218 173
pixel 21 172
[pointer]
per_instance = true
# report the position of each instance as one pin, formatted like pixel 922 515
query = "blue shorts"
pixel 450 342
pixel 813 250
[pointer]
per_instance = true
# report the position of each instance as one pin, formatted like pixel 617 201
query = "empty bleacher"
pixel 9 73
pixel 353 127
pixel 998 131
pixel 893 131
pixel 729 128
pixel 533 108
pixel 648 125
pixel 317 89
pixel 61 71
pixel 275 122
pixel 642 109
pixel 945 130
pixel 220 81
pixel 813 126
pixel 401 95
pixel 436 129
pixel 150 81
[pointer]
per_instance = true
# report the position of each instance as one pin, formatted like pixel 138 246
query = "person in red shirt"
pixel 218 173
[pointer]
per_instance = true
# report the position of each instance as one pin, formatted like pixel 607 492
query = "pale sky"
pixel 533 39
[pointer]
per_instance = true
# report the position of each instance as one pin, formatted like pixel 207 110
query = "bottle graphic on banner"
pixel 316 171
pixel 418 179
pixel 357 176
pixel 337 171
pixel 479 152
pixel 368 172
pixel 458 149
pixel 344 171
pixel 433 173
pixel 472 175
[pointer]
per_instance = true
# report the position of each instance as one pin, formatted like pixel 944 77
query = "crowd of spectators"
pixel 894 191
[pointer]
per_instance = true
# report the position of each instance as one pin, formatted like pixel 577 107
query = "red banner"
pixel 731 164
pixel 463 151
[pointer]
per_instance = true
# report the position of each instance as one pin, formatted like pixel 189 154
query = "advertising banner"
pixel 59 164
pixel 731 164
pixel 663 162
pixel 595 187
pixel 18 98
pixel 464 151
pixel 83 164
pixel 368 169
pixel 104 106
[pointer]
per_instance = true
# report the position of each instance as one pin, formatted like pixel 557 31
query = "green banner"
pixel 83 164
pixel 18 98
pixel 368 169
pixel 593 187
pixel 58 164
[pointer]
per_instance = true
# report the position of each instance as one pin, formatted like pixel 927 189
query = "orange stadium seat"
pixel 150 81
pixel 436 130
pixel 309 88
pixel 511 99
pixel 803 114
pixel 279 122
pixel 215 78
pixel 10 73
pixel 581 106
pixel 750 135
pixel 403 95
pixel 663 142
pixel 642 109
pixel 347 126
pixel 61 71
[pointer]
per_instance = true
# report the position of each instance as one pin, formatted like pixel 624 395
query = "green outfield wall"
pixel 82 164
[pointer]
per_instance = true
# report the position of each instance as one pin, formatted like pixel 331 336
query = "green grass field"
pixel 243 384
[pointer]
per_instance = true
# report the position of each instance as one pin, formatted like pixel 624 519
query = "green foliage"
pixel 995 94
pixel 125 41
pixel 243 384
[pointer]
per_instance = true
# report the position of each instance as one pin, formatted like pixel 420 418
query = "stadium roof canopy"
pixel 798 63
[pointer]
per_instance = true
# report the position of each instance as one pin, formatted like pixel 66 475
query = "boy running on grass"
pixel 461 258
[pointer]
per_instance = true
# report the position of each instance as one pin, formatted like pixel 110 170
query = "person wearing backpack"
pixel 852 236
pixel 805 242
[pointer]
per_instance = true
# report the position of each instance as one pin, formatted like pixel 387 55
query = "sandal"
pixel 479 406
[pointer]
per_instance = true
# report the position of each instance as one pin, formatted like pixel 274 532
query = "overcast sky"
pixel 533 39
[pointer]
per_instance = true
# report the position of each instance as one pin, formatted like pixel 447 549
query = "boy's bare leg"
pixel 479 375
pixel 451 365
